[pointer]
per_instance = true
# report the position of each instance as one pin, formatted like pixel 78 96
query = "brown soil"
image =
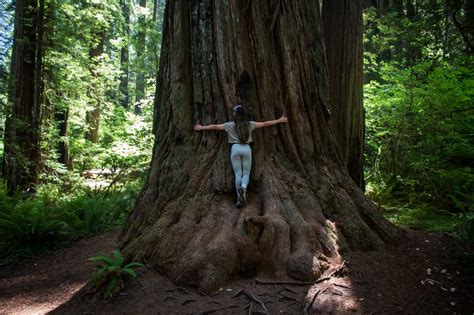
pixel 422 276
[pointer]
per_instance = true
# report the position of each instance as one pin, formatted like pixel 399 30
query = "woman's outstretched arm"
pixel 282 120
pixel 199 127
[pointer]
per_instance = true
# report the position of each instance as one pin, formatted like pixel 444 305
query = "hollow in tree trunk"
pixel 303 209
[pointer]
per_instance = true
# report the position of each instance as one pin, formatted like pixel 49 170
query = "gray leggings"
pixel 241 158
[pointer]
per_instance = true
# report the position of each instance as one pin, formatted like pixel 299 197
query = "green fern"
pixel 110 274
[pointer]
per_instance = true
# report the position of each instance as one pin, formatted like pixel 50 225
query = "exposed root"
pixel 252 298
pixel 218 309
pixel 288 297
pixel 287 289
pixel 188 301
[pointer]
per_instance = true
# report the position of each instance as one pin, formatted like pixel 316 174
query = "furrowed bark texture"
pixel 303 209
pixel 343 30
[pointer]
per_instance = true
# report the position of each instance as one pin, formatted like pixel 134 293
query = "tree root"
pixel 188 301
pixel 252 299
pixel 287 289
pixel 218 309
pixel 288 297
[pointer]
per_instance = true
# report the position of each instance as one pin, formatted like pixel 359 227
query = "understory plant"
pixel 52 218
pixel 111 273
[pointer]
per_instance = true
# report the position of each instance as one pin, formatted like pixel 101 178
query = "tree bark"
pixel 141 69
pixel 124 56
pixel 303 209
pixel 22 132
pixel 343 30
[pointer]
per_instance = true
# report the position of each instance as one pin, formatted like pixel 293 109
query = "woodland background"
pixel 93 85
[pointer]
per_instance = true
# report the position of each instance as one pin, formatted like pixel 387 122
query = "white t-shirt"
pixel 233 135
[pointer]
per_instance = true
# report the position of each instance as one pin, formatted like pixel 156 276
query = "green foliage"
pixel 420 120
pixel 52 218
pixel 420 135
pixel 111 272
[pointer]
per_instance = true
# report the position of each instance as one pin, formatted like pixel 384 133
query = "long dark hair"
pixel 242 123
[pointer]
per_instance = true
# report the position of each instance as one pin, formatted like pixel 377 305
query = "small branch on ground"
pixel 265 282
pixel 342 286
pixel 179 289
pixel 310 303
pixel 338 271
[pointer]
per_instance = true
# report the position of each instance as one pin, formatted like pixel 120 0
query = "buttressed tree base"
pixel 303 210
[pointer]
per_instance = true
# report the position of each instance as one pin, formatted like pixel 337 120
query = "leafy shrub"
pixel 51 219
pixel 111 272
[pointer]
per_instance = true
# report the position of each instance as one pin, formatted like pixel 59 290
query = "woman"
pixel 239 134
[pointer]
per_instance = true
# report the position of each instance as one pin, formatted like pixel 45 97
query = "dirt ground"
pixel 425 275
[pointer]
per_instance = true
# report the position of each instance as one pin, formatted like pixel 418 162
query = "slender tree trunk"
pixel 304 211
pixel 343 30
pixel 381 7
pixel 155 9
pixel 141 70
pixel 93 116
pixel 413 51
pixel 61 117
pixel 124 56
pixel 22 136
pixel 469 20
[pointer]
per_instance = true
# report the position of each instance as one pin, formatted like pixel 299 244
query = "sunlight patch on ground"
pixel 333 296
pixel 34 302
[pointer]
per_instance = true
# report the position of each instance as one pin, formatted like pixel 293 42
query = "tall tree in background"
pixel 343 30
pixel 124 55
pixel 303 210
pixel 141 55
pixel 93 115
pixel 95 52
pixel 22 136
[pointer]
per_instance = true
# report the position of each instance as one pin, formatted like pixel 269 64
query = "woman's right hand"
pixel 283 119
pixel 198 127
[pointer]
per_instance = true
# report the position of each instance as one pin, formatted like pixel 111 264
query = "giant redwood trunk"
pixel 303 211
pixel 343 30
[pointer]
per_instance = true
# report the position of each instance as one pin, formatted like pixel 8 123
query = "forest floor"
pixel 425 275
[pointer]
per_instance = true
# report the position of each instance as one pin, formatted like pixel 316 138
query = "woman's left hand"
pixel 283 119
pixel 198 127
